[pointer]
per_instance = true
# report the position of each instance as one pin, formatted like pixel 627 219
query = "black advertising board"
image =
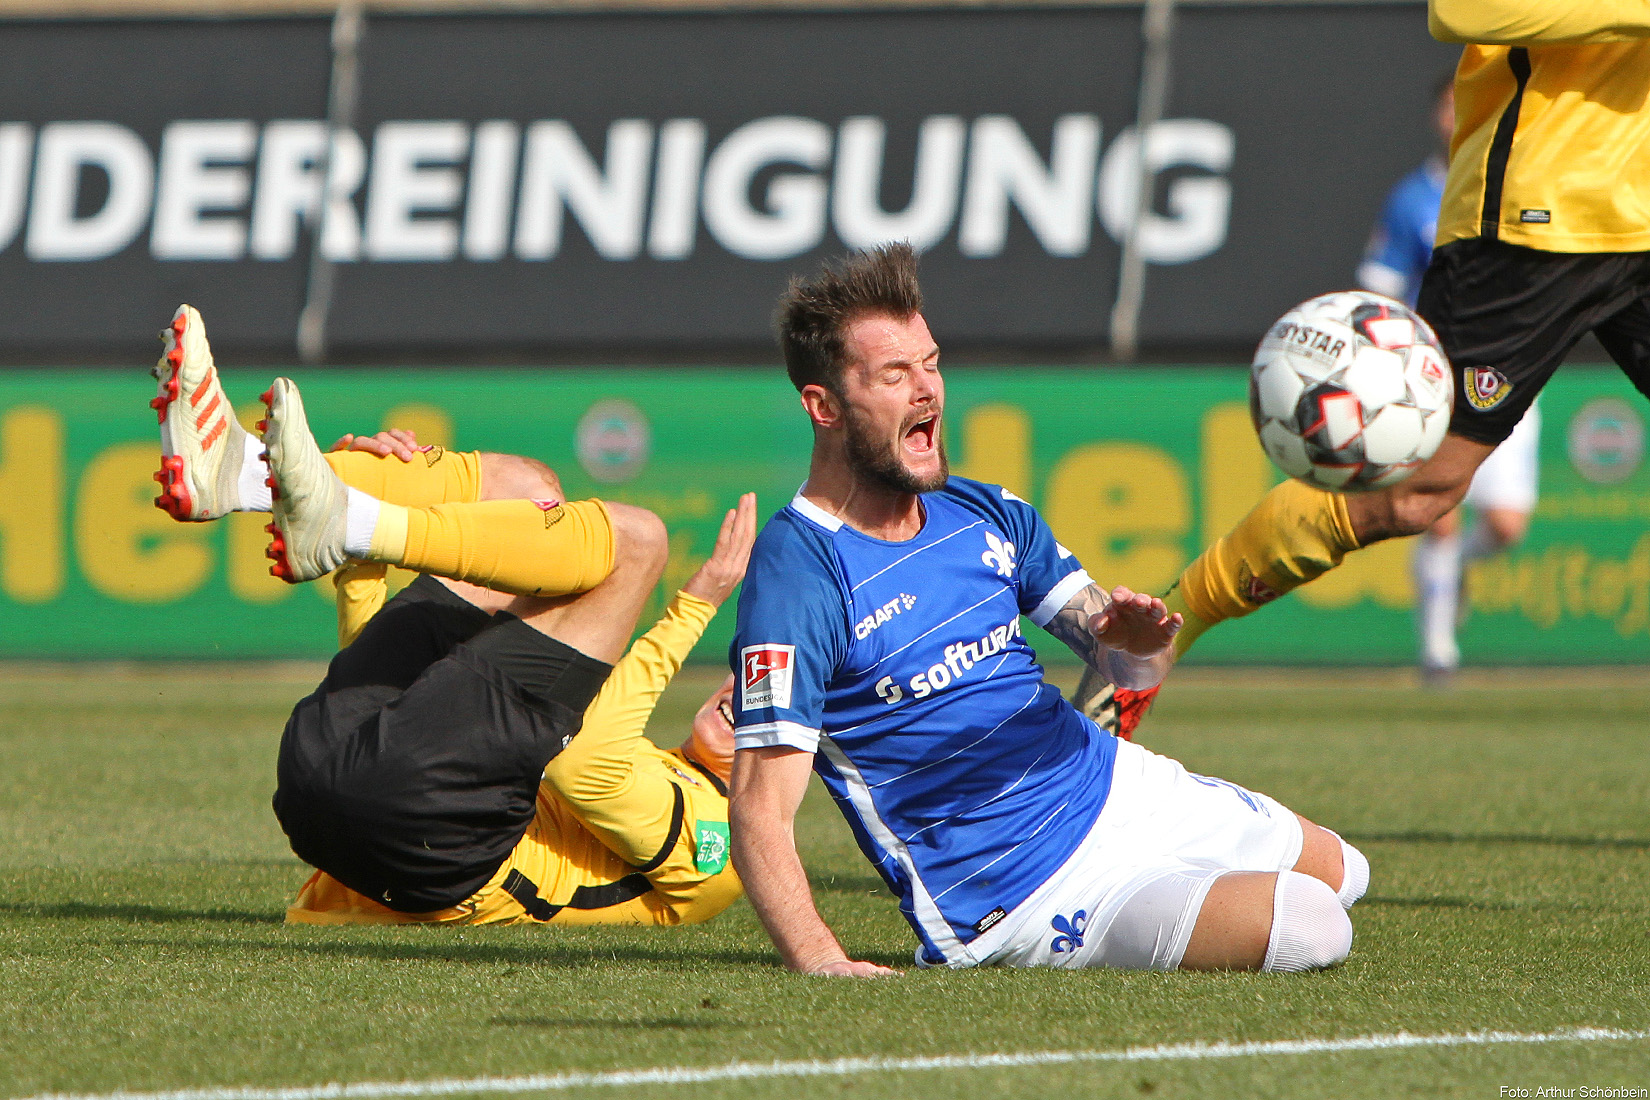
pixel 599 182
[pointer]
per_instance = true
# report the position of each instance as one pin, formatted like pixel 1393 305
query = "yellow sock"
pixel 1192 628
pixel 519 546
pixel 1295 534
pixel 434 476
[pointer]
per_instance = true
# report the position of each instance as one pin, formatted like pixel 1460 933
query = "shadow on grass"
pixel 552 953
pixel 661 1023
pixel 151 914
pixel 851 884
pixel 1441 902
pixel 1417 837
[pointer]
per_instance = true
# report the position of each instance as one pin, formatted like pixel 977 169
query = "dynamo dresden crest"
pixel 1486 387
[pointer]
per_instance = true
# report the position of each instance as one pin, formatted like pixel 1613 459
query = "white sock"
pixel 360 518
pixel 1354 874
pixel 1437 569
pixel 251 486
pixel 1310 930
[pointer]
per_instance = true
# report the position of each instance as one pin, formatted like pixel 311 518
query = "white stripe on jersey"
pixel 1061 595
pixel 914 553
pixel 767 735
pixel 998 797
pixel 923 907
pixel 947 622
pixel 1036 691
pixel 975 874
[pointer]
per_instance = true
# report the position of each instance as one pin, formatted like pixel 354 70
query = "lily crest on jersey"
pixel 1000 556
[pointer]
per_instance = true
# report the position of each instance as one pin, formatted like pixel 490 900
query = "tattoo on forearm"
pixel 1071 625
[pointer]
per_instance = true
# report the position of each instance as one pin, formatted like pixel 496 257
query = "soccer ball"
pixel 1350 392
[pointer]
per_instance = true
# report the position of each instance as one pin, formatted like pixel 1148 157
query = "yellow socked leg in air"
pixel 1295 534
pixel 434 476
pixel 530 548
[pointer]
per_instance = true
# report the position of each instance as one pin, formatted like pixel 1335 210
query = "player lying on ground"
pixel 434 775
pixel 878 643
pixel 1544 236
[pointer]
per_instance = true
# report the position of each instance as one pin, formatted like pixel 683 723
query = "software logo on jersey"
pixel 765 675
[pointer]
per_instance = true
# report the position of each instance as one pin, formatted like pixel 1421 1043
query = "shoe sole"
pixel 175 498
pixel 276 552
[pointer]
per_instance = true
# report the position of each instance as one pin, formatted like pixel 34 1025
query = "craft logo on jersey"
pixel 1486 387
pixel 1001 555
pixel 765 675
pixel 902 602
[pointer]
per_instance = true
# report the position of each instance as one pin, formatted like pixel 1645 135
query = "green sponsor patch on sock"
pixel 710 847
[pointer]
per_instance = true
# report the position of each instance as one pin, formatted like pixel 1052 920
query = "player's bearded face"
pixel 876 454
pixel 892 400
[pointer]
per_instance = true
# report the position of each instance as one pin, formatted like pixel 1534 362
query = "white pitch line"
pixel 842 1067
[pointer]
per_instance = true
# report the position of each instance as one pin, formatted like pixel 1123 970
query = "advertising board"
pixel 589 180
pixel 1135 470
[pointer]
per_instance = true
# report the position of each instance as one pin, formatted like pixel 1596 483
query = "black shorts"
pixel 413 770
pixel 1507 316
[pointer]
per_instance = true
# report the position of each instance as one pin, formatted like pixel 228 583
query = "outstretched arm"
pixel 1126 637
pixel 1538 22
pixel 768 785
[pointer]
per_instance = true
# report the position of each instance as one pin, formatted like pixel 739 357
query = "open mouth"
pixel 919 437
pixel 726 711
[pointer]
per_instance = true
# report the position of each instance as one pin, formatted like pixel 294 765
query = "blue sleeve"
pixel 1400 245
pixel 1046 573
pixel 788 639
pixel 1390 244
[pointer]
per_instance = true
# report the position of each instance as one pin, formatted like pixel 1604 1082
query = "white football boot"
pixel 309 500
pixel 202 447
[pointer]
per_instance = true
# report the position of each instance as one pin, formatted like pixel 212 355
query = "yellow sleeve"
pixel 1538 22
pixel 362 588
pixel 629 807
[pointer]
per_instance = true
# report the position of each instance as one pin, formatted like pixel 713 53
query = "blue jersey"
pixel 1400 246
pixel 966 779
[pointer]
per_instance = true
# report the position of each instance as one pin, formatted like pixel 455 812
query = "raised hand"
pixel 721 574
pixel 1135 623
pixel 392 441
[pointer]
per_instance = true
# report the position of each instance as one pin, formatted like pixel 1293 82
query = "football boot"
pixel 308 501
pixel 202 447
pixel 1117 710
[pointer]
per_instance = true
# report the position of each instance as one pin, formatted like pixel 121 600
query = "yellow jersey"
pixel 625 832
pixel 1552 123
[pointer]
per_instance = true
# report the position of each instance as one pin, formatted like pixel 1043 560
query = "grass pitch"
pixel 143 877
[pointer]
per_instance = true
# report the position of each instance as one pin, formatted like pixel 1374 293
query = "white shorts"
pixel 1507 479
pixel 1130 894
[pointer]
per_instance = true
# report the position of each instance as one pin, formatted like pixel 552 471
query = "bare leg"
pixel 1320 855
pixel 1234 927
pixel 597 623
pixel 508 477
pixel 1412 506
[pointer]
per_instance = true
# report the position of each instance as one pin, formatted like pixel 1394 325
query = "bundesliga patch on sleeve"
pixel 765 673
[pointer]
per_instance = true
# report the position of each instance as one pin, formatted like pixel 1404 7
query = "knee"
pixel 640 541
pixel 1507 526
pixel 517 477
pixel 1310 929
